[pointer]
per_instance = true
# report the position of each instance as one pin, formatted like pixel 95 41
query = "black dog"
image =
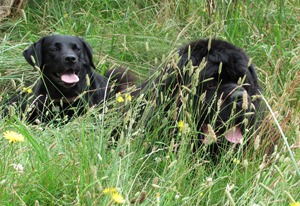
pixel 67 79
pixel 213 86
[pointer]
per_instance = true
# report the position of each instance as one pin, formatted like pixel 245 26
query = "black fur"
pixel 67 81
pixel 207 98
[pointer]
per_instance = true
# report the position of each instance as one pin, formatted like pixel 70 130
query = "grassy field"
pixel 73 164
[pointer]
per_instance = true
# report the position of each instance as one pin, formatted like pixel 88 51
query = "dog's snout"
pixel 237 96
pixel 70 59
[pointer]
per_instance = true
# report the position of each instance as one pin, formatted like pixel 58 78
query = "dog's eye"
pixel 77 49
pixel 54 49
pixel 211 84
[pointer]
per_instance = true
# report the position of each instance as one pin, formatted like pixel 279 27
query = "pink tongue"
pixel 234 135
pixel 69 78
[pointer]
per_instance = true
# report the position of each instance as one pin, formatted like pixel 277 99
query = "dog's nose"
pixel 237 96
pixel 70 59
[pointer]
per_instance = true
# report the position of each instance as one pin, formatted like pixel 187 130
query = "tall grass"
pixel 72 164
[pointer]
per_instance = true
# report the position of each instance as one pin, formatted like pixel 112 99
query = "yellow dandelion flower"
pixel 201 194
pixel 106 191
pixel 120 99
pixel 27 90
pixel 65 15
pixel 236 161
pixel 111 190
pixel 12 136
pixel 118 198
pixel 128 96
pixel 204 10
pixel 180 124
pixel 295 204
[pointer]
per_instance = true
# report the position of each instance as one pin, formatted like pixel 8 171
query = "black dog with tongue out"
pixel 68 82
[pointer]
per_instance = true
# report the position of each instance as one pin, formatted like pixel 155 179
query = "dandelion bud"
pixel 143 197
pixel 145 144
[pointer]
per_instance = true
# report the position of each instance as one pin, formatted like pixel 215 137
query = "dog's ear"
pixel 252 71
pixel 35 51
pixel 89 52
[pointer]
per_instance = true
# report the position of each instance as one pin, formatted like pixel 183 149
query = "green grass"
pixel 72 164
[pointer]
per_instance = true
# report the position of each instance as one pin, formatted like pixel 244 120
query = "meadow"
pixel 80 163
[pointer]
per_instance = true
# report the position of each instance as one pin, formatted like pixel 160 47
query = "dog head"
pixel 228 81
pixel 61 59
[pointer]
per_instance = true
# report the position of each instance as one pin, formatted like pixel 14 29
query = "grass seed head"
pixel 155 181
pixel 143 197
pixel 120 153
pixel 133 200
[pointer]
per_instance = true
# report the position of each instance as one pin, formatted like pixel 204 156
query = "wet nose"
pixel 70 59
